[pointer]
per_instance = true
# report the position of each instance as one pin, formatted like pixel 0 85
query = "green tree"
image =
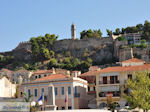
pixel 67 60
pixel 41 47
pixel 109 32
pixel 85 53
pixel 67 54
pixel 91 34
pixel 139 95
pixel 52 63
pixel 143 44
pixel 84 66
pixel 52 53
pixel 121 38
pixel 117 31
pixel 139 27
pixel 89 60
pixel 45 53
pixel 27 98
pixel 146 31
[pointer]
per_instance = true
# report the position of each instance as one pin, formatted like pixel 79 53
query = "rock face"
pixel 99 50
pixel 142 53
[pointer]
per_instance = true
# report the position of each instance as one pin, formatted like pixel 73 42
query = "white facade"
pixel 7 89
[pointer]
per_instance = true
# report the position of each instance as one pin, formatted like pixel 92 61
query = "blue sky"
pixel 22 19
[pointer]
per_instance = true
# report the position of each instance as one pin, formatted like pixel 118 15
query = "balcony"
pixel 76 95
pixel 109 82
pixel 114 94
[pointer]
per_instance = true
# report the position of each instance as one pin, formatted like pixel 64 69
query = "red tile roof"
pixel 43 71
pixel 132 60
pixel 6 70
pixel 75 71
pixel 90 73
pixel 94 67
pixel 61 71
pixel 128 68
pixel 53 77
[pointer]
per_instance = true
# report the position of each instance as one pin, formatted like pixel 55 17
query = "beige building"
pixel 20 76
pixel 111 81
pixel 43 73
pixel 75 87
pixel 7 89
pixel 90 76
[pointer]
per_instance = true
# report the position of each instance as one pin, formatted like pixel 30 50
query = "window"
pixel 39 76
pixel 129 76
pixel 45 75
pixel 35 77
pixel 35 93
pixel 29 92
pixel 113 79
pixel 104 80
pixel 69 90
pixel 56 91
pixel 76 90
pixel 94 88
pixel 69 107
pixel 21 94
pixel 63 108
pixel 62 91
pixel 42 91
pixel 149 75
pixel 88 88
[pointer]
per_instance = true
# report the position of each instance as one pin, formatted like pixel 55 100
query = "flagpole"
pixel 43 100
pixel 66 100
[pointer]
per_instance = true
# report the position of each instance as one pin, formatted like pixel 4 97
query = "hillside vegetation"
pixel 44 57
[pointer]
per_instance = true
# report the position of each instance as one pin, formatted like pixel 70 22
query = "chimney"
pixel 132 53
pixel 54 72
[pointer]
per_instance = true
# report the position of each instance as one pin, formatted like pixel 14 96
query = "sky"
pixel 22 19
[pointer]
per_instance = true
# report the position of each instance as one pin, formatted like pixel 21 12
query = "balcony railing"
pixel 114 94
pixel 109 82
pixel 76 95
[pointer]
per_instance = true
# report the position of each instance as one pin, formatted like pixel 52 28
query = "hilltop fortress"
pixel 99 49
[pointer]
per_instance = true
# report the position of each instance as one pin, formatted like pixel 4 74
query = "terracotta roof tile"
pixel 75 71
pixel 6 70
pixel 61 71
pixel 53 77
pixel 90 73
pixel 128 68
pixel 43 71
pixel 132 60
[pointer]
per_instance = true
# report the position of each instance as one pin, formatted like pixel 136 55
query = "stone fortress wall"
pixel 23 45
pixel 105 48
pixel 81 44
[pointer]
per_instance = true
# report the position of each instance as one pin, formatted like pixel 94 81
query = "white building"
pixel 7 89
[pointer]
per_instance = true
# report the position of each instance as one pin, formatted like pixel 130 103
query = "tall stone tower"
pixel 73 31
